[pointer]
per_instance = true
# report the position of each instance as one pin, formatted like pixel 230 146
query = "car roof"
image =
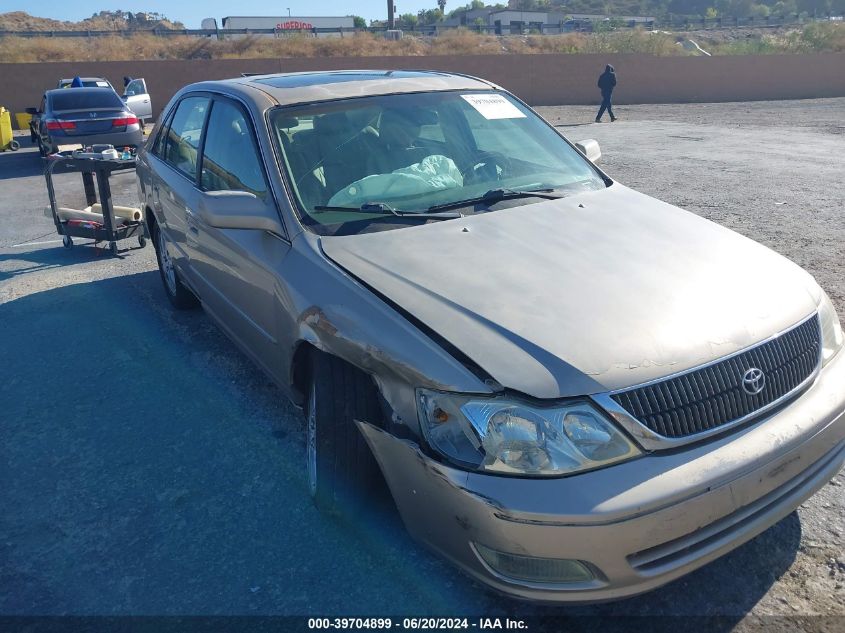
pixel 84 79
pixel 306 87
pixel 80 89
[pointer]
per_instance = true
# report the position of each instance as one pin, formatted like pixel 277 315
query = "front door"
pixel 239 267
pixel 138 99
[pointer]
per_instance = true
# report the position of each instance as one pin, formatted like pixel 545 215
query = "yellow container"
pixel 6 140
pixel 23 119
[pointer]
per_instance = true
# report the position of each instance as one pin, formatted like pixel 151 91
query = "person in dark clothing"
pixel 126 81
pixel 607 82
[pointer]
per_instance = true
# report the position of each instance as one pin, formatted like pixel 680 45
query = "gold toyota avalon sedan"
pixel 575 392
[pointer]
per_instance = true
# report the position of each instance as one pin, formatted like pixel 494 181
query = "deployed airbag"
pixel 433 173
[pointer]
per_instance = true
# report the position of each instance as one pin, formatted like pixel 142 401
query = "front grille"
pixel 712 396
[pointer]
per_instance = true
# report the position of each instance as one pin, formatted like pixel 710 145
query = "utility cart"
pixel 100 221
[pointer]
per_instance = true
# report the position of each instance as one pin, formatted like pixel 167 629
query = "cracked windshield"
pixel 387 162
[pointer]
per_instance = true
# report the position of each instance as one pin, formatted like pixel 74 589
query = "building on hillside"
pixel 288 25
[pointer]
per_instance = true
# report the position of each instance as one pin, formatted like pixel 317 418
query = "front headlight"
pixel 505 436
pixel 831 329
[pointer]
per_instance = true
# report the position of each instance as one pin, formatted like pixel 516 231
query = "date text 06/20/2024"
pixel 410 624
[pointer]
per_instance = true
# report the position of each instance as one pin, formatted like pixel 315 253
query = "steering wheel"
pixel 487 167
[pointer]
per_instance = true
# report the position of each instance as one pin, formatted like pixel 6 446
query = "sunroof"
pixel 315 79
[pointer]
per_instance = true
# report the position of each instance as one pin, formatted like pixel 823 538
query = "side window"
pixel 230 157
pixel 183 135
pixel 158 147
pixel 135 87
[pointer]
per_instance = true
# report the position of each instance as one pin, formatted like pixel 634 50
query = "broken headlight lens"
pixel 831 329
pixel 506 436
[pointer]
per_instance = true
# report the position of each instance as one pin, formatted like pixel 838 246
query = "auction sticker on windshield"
pixel 493 106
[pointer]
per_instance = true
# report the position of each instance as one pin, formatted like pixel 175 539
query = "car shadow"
pixel 16 261
pixel 20 164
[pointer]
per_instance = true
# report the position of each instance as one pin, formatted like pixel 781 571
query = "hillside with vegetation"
pixel 663 8
pixel 815 37
pixel 102 21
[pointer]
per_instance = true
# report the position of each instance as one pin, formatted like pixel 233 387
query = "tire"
pixel 180 297
pixel 14 146
pixel 67 241
pixel 343 476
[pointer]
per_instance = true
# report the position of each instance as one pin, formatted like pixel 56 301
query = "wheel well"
pixel 300 374
pixel 150 219
pixel 300 371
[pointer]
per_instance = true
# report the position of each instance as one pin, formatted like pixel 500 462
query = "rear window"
pixel 79 99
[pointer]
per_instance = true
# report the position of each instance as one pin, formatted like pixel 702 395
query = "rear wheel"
pixel 177 293
pixel 343 475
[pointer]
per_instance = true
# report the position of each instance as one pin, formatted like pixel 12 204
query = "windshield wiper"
pixel 386 209
pixel 367 207
pixel 497 195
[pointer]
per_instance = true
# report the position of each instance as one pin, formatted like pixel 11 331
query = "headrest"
pixel 332 123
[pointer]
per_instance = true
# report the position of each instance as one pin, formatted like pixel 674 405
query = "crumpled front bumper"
pixel 639 524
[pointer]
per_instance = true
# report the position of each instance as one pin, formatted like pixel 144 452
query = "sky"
pixel 192 12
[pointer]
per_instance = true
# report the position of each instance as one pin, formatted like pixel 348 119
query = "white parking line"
pixel 35 243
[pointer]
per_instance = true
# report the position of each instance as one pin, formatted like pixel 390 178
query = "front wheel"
pixel 180 297
pixel 343 475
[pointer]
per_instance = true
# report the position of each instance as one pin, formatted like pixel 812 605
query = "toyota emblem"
pixel 753 381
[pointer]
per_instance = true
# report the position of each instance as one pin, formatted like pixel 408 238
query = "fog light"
pixel 531 569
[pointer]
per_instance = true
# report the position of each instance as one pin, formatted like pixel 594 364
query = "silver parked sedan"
pixel 574 391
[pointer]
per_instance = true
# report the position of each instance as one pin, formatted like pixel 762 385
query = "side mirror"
pixel 238 210
pixel 32 110
pixel 589 148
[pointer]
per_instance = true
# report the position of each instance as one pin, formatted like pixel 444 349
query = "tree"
pixel 358 22
pixel 408 19
pixel 429 16
pixel 442 5
pixel 784 8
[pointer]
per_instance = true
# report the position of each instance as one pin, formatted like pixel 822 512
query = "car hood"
pixel 594 292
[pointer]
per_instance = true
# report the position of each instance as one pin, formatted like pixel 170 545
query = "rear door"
pixel 175 170
pixel 239 267
pixel 138 99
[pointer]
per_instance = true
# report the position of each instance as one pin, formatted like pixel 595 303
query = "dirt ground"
pixel 148 468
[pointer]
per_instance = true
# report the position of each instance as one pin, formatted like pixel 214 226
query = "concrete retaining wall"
pixel 538 79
